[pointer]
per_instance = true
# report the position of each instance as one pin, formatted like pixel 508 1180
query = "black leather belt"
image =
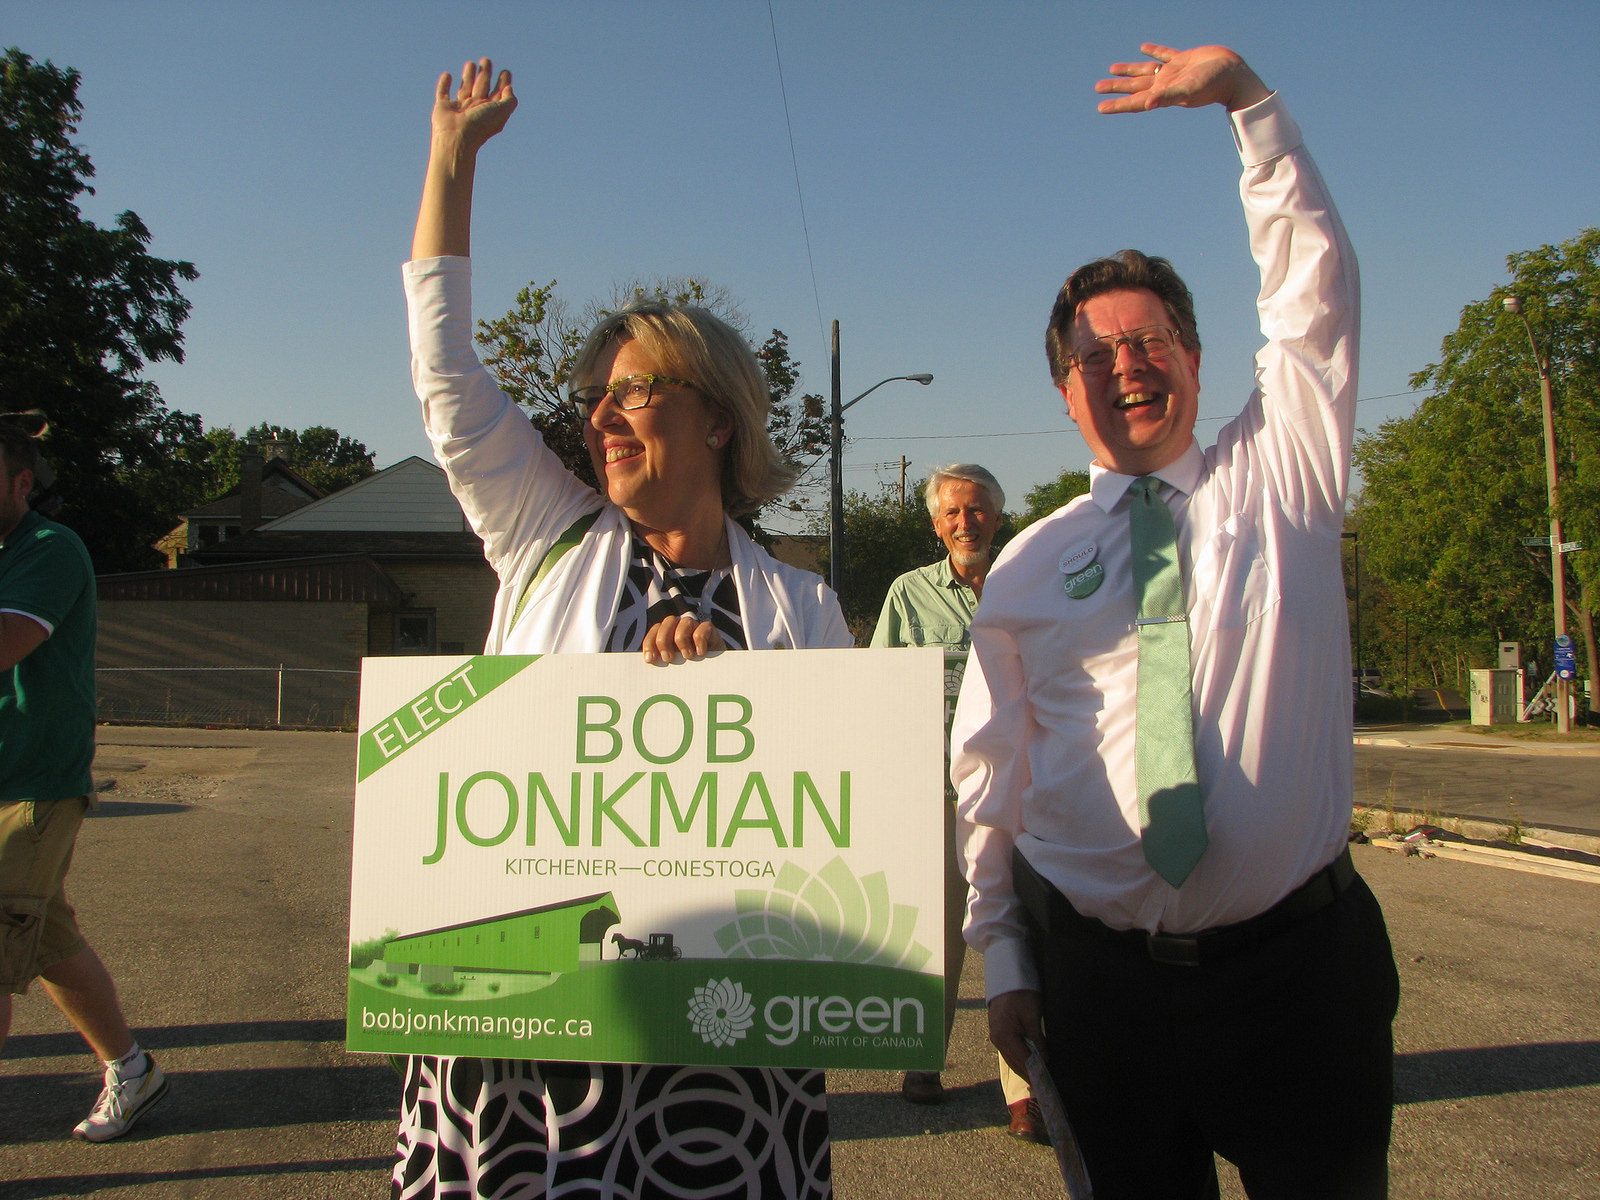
pixel 1054 915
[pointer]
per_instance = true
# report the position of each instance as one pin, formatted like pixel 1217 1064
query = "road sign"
pixel 1544 541
pixel 1569 547
pixel 1566 666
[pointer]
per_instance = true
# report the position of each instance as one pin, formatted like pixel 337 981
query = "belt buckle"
pixel 1174 951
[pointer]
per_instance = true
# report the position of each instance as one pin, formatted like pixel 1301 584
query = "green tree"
pixel 324 457
pixel 1047 497
pixel 1452 490
pixel 82 311
pixel 883 539
pixel 798 430
pixel 530 351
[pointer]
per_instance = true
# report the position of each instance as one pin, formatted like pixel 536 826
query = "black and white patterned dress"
pixel 508 1129
pixel 657 588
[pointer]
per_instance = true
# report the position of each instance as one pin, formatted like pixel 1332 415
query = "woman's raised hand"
pixel 475 113
pixel 461 125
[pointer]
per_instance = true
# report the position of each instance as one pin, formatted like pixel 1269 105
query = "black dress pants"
pixel 1280 1058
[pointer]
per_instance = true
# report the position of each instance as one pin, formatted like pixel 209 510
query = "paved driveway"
pixel 214 884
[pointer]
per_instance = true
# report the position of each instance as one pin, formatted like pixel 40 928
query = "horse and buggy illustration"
pixel 658 949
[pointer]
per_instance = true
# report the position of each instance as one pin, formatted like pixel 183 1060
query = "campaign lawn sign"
pixel 735 862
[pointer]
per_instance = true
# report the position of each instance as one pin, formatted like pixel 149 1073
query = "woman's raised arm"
pixel 460 127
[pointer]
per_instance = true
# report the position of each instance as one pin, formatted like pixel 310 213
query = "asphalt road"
pixel 214 884
pixel 1537 787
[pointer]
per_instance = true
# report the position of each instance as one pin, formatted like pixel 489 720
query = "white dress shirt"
pixel 1043 753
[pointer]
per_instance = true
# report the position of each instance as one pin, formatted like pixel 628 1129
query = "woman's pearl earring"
pixel 713 441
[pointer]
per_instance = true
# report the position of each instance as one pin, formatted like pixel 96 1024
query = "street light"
pixel 836 472
pixel 1558 574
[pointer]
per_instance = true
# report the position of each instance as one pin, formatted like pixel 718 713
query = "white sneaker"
pixel 121 1103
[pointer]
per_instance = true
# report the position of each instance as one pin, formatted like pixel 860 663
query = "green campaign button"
pixel 1085 582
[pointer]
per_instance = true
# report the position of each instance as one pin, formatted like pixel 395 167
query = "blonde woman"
pixel 674 410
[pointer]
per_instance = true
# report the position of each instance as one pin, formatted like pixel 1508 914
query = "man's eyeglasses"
pixel 632 391
pixel 1154 343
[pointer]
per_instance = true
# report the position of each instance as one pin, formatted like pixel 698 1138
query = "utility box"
pixel 1495 697
pixel 1511 656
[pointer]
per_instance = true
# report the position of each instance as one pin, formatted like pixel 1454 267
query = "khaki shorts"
pixel 37 926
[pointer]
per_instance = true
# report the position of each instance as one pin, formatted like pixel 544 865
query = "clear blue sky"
pixel 952 165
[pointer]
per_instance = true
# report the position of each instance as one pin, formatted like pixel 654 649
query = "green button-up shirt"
pixel 930 606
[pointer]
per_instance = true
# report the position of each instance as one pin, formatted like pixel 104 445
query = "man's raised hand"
pixel 1182 78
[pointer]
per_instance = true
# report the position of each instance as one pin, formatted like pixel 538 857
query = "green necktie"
pixel 1171 812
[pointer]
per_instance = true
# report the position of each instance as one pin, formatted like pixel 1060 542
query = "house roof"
pixel 283 490
pixel 411 496
pixel 404 511
pixel 350 577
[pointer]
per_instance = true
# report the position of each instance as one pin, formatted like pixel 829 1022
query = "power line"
pixel 1391 396
pixel 961 437
pixel 794 160
pixel 947 437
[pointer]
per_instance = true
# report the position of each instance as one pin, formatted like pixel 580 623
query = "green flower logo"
pixel 721 1012
pixel 830 916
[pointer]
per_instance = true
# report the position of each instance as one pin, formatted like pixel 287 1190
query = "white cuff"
pixel 1008 967
pixel 1264 131
pixel 447 264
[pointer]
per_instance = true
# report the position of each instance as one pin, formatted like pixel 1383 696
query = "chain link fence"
pixel 290 697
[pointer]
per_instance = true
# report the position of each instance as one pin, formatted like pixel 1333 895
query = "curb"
pixel 1460 740
pixel 1482 828
pixel 1542 748
pixel 1493 856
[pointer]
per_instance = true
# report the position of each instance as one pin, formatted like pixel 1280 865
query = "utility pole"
pixel 835 474
pixel 836 467
pixel 903 465
pixel 1354 536
pixel 1558 571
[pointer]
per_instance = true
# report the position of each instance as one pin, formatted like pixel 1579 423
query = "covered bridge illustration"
pixel 549 940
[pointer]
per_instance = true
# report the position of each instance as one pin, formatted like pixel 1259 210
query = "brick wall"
pixel 257 633
pixel 325 635
pixel 460 593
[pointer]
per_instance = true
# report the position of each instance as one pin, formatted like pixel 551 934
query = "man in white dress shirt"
pixel 1241 1004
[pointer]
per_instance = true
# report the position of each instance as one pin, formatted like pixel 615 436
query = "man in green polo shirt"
pixel 47 712
pixel 933 606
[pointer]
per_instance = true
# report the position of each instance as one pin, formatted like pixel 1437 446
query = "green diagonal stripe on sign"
pixel 435 707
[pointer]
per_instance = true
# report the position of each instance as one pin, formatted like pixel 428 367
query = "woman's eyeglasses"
pixel 631 391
